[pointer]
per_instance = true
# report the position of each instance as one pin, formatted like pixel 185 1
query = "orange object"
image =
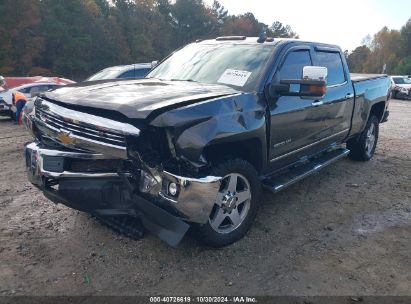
pixel 317 89
pixel 18 96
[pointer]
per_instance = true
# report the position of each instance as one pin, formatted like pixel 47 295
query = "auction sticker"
pixel 234 77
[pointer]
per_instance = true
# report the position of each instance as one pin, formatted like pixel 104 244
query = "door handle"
pixel 317 103
pixel 349 95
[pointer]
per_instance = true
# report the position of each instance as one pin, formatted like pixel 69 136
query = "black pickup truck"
pixel 194 142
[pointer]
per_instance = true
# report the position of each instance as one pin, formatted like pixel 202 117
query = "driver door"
pixel 297 123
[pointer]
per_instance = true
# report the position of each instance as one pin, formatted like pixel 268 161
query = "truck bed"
pixel 362 77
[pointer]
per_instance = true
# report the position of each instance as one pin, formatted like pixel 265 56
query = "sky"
pixel 344 23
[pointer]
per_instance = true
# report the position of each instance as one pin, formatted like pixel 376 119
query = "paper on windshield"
pixel 234 77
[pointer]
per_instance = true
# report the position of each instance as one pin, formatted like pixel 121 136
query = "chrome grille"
pixel 76 128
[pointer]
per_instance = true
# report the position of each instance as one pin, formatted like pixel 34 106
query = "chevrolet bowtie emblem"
pixel 64 138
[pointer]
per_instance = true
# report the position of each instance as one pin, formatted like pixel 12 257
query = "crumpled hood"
pixel 137 98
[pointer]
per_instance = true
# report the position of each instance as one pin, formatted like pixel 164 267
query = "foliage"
pixel 280 30
pixel 389 51
pixel 79 37
pixel 357 59
pixel 20 45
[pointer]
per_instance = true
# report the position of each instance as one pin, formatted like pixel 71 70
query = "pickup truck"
pixel 193 144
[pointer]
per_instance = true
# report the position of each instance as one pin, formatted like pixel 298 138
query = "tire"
pixel 236 204
pixel 362 148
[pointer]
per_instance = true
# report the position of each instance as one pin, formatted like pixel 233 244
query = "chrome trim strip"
pixel 36 170
pixel 81 142
pixel 67 126
pixel 308 146
pixel 77 155
pixel 88 120
pixel 67 174
pixel 202 180
pixel 337 85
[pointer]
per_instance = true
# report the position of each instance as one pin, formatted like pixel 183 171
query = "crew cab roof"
pixel 254 40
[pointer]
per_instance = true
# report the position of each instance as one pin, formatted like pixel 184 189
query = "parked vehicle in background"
pixel 30 90
pixel 2 83
pixel 12 82
pixel 138 70
pixel 193 143
pixel 401 87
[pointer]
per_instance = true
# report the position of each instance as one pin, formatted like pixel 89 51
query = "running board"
pixel 280 182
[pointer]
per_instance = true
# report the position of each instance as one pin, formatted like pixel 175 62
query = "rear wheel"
pixel 363 147
pixel 235 206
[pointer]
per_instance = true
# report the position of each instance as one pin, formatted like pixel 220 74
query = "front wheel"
pixel 235 206
pixel 363 147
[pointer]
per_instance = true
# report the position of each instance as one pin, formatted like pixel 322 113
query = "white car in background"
pixel 30 90
pixel 401 87
pixel 138 70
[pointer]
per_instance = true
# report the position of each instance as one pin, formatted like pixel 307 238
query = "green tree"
pixel 78 37
pixel 220 13
pixel 357 58
pixel 404 65
pixel 278 30
pixel 20 41
pixel 385 52
pixel 243 25
pixel 193 20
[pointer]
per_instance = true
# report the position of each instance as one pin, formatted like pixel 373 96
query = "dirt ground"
pixel 344 231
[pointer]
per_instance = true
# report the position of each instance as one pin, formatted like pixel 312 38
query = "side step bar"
pixel 282 181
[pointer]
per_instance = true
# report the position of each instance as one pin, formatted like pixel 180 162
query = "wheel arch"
pixel 378 110
pixel 250 150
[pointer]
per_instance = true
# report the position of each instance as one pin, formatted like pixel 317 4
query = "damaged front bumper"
pixel 109 193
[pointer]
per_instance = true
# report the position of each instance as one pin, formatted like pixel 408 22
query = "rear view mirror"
pixel 312 85
pixel 315 73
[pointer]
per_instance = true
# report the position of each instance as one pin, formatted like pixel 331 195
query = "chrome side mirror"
pixel 154 64
pixel 315 73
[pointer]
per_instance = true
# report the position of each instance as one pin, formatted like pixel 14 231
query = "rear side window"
pixel 128 74
pixel 332 61
pixel 141 72
pixel 292 67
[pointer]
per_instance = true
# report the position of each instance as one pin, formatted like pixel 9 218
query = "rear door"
pixel 338 102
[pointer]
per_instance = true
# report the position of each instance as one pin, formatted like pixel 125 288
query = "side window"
pixel 332 61
pixel 128 74
pixel 292 67
pixel 140 73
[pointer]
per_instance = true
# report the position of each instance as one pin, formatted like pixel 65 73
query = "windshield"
pixel 235 65
pixel 402 80
pixel 110 73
